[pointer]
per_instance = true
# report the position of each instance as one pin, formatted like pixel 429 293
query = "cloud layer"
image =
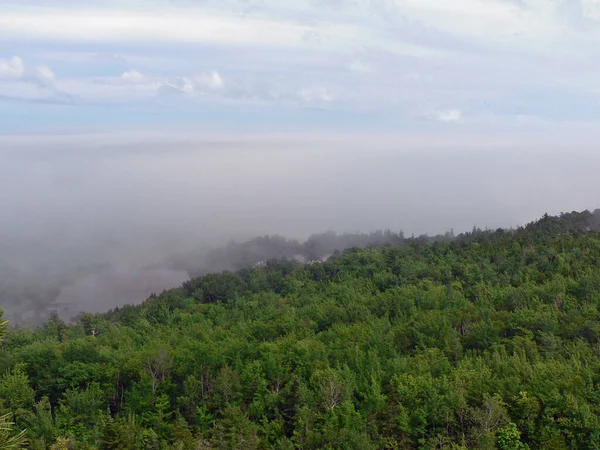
pixel 377 63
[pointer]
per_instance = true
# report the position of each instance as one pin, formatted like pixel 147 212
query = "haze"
pixel 131 131
pixel 91 221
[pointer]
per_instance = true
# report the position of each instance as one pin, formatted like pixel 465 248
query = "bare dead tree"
pixel 333 392
pixel 158 367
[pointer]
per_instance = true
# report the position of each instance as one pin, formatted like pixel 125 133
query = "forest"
pixel 485 340
pixel 239 255
pixel 34 276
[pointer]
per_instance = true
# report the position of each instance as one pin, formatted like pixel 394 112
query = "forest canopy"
pixel 489 339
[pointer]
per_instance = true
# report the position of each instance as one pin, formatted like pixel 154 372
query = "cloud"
pixel 360 67
pixel 183 85
pixel 12 68
pixel 135 84
pixel 211 81
pixel 15 69
pixel 133 77
pixel 315 95
pixel 403 60
pixel 451 115
pixel 191 27
pixel 274 26
pixel 591 9
pixel 43 74
pixel 20 82
pixel 197 85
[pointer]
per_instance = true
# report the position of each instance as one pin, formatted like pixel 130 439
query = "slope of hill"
pixel 68 283
pixel 489 340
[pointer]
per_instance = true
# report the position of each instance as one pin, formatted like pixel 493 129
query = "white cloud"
pixel 413 58
pixel 183 85
pixel 15 69
pixel 134 85
pixel 12 68
pixel 43 74
pixel 591 9
pixel 192 27
pixel 273 27
pixel 518 25
pixel 133 77
pixel 24 90
pixel 451 115
pixel 106 90
pixel 19 81
pixel 315 95
pixel 360 67
pixel 212 81
pixel 196 85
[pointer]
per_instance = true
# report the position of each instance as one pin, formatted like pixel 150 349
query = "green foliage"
pixel 490 340
pixel 9 437
pixel 43 429
pixel 3 326
pixel 127 433
pixel 63 444
pixel 15 396
pixel 235 430
pixel 82 414
pixel 509 438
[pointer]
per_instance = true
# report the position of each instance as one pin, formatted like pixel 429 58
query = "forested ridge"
pixel 487 340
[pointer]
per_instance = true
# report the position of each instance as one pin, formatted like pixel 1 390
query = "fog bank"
pixel 83 217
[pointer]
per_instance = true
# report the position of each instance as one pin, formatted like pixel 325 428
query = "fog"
pixel 89 222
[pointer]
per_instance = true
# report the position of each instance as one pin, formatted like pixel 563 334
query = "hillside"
pixel 97 276
pixel 490 339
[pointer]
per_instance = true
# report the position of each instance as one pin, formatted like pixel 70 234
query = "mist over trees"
pixel 92 222
pixel 237 255
pixel 488 340
pixel 71 286
pixel 30 295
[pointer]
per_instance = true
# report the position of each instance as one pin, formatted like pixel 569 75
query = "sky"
pixel 467 66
